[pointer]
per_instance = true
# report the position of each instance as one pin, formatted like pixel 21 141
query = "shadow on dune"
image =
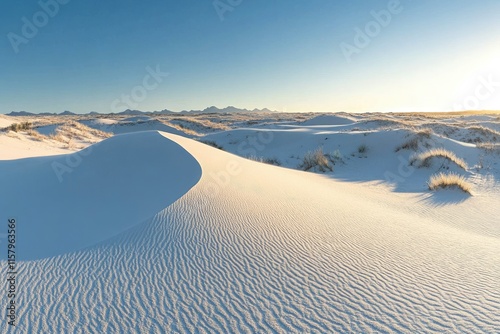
pixel 402 178
pixel 416 186
pixel 69 202
pixel 446 197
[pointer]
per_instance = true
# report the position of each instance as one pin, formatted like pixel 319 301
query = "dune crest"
pixel 258 248
pixel 73 201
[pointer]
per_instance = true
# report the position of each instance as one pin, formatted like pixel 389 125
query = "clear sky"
pixel 284 55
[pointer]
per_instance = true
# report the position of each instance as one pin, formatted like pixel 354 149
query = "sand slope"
pixel 18 146
pixel 328 120
pixel 131 124
pixel 256 248
pixel 68 202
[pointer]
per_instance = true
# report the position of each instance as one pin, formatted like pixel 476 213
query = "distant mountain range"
pixel 26 113
pixel 229 109
pixel 212 109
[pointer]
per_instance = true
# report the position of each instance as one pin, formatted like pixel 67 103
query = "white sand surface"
pixel 250 248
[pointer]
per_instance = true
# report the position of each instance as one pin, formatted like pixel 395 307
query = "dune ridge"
pixel 66 202
pixel 258 248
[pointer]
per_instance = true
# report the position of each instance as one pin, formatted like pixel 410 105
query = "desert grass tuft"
pixel 211 143
pixel 424 133
pixel 424 159
pixel 485 131
pixel 36 135
pixel 269 161
pixel 315 160
pixel 23 126
pixel 410 144
pixel 449 181
pixel 416 137
pixel 489 147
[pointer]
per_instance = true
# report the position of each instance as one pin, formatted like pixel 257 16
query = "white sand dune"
pixel 132 124
pixel 18 146
pixel 257 248
pixel 67 202
pixel 5 121
pixel 381 161
pixel 137 119
pixel 329 120
pixel 99 121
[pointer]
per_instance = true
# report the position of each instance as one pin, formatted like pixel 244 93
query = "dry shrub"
pixel 36 135
pixel 269 161
pixel 489 147
pixel 487 132
pixel 212 143
pixel 316 161
pixel 449 181
pixel 16 127
pixel 424 159
pixel 413 142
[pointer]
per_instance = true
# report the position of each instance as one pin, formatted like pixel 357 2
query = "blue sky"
pixel 284 55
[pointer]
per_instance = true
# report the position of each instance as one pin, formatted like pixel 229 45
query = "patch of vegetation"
pixel 413 142
pixel 183 128
pixel 489 147
pixel 486 132
pixel 425 159
pixel 270 161
pixel 335 157
pixel 449 181
pixel 36 135
pixel 212 143
pixel 23 126
pixel 315 161
pixel 196 124
pixel 424 133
